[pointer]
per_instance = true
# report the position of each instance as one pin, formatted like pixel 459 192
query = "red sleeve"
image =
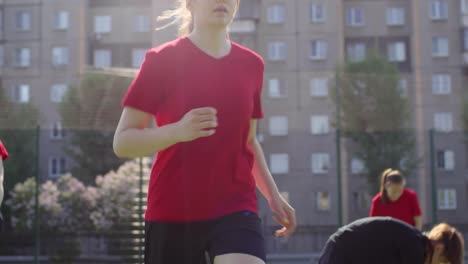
pixel 415 204
pixel 375 207
pixel 3 151
pixel 146 90
pixel 257 110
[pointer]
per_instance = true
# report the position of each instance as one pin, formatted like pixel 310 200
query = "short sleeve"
pixel 146 92
pixel 3 151
pixel 258 110
pixel 415 205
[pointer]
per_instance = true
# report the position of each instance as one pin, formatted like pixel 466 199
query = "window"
pixel 447 199
pixel 320 163
pixel 464 7
pixel 356 52
pixel 362 200
pixel 318 87
pixel 323 201
pixel 61 19
pixel 2 56
pixel 23 21
pixel 276 14
pixel 21 93
pixel 57 132
pixel 260 137
pixel 357 166
pixel 319 124
pixel 57 166
pixel 446 160
pixel 465 39
pixel 285 195
pixel 279 163
pixel 355 17
pixel 138 55
pixel 142 24
pixel 276 88
pixel 317 13
pixel 395 16
pixel 278 125
pixel 59 56
pixel 438 9
pixel 403 87
pixel 22 57
pixel 396 52
pixel 102 58
pixel 443 122
pixel 441 84
pixel 440 47
pixel 277 51
pixel 318 50
pixel 57 92
pixel 102 24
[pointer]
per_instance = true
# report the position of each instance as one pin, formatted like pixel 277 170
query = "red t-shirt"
pixel 3 151
pixel 212 176
pixel 404 209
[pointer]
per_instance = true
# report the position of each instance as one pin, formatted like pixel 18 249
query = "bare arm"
pixel 263 178
pixel 133 139
pixel 418 222
pixel 286 215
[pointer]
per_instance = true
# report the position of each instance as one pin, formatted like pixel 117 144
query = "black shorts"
pixel 187 243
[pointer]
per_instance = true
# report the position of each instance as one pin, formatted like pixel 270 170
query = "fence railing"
pixel 33 156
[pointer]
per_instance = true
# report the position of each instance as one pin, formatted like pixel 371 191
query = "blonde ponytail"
pixel 181 15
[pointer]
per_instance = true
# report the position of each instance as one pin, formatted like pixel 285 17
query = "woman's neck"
pixel 213 42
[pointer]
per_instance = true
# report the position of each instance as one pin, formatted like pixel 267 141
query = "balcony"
pixel 246 18
pixel 465 58
pixel 464 20
pixel 243 26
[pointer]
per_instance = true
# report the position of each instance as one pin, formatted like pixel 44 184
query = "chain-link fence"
pixel 84 213
pixel 70 217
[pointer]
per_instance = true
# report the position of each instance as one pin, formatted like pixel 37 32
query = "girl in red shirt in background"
pixel 395 200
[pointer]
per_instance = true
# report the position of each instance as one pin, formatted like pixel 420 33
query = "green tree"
pixel 375 117
pixel 90 113
pixel 18 122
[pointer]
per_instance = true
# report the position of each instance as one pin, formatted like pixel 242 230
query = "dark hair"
pixel 392 176
pixel 452 240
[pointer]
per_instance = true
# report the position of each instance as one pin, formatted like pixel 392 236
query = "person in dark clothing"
pixel 387 240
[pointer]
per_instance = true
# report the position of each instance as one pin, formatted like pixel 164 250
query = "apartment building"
pixel 119 32
pixel 42 47
pixel 302 42
pixel 46 45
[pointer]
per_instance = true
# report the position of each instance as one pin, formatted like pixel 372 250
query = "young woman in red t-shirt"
pixel 395 200
pixel 204 92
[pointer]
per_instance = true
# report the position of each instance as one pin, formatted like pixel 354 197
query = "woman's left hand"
pixel 285 215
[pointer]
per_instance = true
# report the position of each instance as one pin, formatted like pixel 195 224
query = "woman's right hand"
pixel 197 123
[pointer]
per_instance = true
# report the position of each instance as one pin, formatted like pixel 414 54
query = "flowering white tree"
pixel 64 206
pixel 67 205
pixel 117 193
